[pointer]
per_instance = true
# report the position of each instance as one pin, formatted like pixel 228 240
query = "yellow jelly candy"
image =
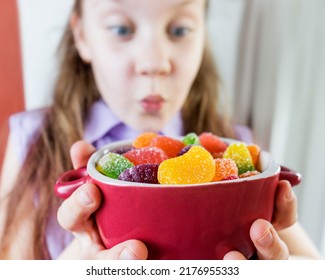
pixel 241 155
pixel 194 167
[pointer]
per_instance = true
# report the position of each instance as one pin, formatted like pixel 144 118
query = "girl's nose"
pixel 153 59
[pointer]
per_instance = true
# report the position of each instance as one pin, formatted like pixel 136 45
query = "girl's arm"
pixel 299 243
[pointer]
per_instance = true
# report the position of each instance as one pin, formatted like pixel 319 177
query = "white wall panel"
pixel 41 24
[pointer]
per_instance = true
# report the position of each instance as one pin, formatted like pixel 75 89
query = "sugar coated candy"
pixel 143 173
pixel 191 139
pixel 249 174
pixel 144 139
pixel 112 164
pixel 194 167
pixel 214 144
pixel 255 153
pixel 170 145
pixel 194 159
pixel 225 168
pixel 146 155
pixel 241 155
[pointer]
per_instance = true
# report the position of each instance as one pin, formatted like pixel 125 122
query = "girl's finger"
pixel 267 241
pixel 74 213
pixel 285 211
pixel 128 250
pixel 234 255
pixel 80 152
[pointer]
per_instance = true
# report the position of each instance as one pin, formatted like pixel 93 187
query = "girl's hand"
pixel 75 215
pixel 264 235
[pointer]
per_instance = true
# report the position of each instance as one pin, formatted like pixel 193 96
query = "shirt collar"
pixel 102 120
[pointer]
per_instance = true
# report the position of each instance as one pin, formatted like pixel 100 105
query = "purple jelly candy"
pixel 184 150
pixel 122 150
pixel 143 173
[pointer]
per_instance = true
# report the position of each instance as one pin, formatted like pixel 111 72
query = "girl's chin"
pixel 149 123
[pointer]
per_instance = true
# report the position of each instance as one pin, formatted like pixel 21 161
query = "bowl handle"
pixel 288 174
pixel 69 181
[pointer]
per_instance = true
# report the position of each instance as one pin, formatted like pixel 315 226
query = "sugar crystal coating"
pixel 191 139
pixel 146 155
pixel 194 167
pixel 112 164
pixel 225 168
pixel 254 150
pixel 214 144
pixel 249 174
pixel 144 139
pixel 241 155
pixel 170 145
pixel 143 173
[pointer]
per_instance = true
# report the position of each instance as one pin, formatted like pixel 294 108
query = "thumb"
pixel 267 241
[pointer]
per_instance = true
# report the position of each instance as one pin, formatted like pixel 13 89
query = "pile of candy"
pixel 194 159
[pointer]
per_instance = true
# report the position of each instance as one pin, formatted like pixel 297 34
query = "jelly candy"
pixel 241 155
pixel 214 144
pixel 249 174
pixel 143 173
pixel 144 139
pixel 184 150
pixel 194 167
pixel 255 152
pixel 146 155
pixel 191 139
pixel 170 145
pixel 231 177
pixel 122 150
pixel 112 164
pixel 225 168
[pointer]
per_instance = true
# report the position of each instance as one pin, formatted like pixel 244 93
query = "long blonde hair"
pixel 74 94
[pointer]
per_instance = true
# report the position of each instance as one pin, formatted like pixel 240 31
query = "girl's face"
pixel 144 54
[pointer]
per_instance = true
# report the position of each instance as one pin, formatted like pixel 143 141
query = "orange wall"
pixel 11 82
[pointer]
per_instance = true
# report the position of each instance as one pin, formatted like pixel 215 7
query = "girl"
pixel 127 67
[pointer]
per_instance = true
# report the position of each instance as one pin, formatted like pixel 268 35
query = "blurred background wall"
pixel 270 55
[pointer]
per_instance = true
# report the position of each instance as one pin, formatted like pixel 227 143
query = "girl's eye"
pixel 179 32
pixel 121 30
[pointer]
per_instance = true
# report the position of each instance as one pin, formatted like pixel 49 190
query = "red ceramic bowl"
pixel 181 221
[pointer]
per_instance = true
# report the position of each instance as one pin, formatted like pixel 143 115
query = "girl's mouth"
pixel 152 103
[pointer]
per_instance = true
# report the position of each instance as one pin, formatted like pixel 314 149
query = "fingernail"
pixel 84 198
pixel 267 239
pixel 126 255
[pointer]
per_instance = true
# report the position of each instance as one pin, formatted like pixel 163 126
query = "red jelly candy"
pixel 214 144
pixel 144 155
pixel 171 146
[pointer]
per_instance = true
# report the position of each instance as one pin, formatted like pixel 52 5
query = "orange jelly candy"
pixel 144 139
pixel 225 168
pixel 255 152
pixel 194 167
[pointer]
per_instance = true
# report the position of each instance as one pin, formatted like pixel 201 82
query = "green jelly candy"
pixel 112 164
pixel 191 139
pixel 241 155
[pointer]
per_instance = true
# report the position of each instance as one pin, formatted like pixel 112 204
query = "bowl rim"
pixel 268 165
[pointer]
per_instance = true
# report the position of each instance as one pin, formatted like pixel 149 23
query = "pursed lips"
pixel 152 103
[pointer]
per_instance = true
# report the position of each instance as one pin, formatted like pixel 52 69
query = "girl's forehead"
pixel 143 3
